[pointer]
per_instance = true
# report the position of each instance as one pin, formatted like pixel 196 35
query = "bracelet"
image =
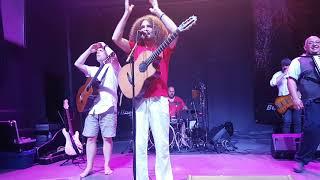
pixel 161 16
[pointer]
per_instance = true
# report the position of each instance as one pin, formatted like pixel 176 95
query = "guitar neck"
pixel 69 122
pixel 162 46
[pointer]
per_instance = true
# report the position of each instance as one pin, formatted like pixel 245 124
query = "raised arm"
pixel 170 25
pixel 277 78
pixel 83 57
pixel 117 36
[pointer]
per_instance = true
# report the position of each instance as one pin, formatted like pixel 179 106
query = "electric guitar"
pixel 73 145
pixel 142 68
pixel 89 88
pixel 283 103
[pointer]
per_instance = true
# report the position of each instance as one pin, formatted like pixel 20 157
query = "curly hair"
pixel 160 31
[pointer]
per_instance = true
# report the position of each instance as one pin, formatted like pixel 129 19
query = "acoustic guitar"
pixel 73 145
pixel 283 103
pixel 142 69
pixel 89 88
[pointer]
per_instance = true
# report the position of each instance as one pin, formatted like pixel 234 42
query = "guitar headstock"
pixel 188 23
pixel 109 58
pixel 66 104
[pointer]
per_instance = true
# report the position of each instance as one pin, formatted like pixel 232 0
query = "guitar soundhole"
pixel 143 67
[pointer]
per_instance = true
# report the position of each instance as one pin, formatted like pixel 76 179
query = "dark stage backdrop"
pixel 32 78
pixel 220 50
pixel 217 51
pixel 281 28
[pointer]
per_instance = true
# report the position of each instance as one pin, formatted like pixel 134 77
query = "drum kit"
pixel 189 127
pixel 189 132
pixel 184 132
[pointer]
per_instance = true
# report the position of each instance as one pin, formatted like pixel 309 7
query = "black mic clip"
pixel 141 34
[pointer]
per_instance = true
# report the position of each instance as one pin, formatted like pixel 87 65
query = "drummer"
pixel 176 104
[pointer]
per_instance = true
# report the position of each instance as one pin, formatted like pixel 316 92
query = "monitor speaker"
pixel 285 146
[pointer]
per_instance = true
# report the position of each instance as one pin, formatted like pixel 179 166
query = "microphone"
pixel 142 34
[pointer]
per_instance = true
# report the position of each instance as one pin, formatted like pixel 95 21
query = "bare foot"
pixel 85 173
pixel 107 170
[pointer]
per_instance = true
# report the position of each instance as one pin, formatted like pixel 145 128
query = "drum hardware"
pixel 182 138
pixel 172 139
pixel 188 133
pixel 195 93
pixel 189 127
pixel 185 135
pixel 198 123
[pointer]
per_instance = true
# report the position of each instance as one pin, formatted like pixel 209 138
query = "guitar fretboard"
pixel 162 46
pixel 69 122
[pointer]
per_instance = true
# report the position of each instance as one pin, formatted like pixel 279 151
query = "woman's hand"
pixel 128 7
pixel 155 8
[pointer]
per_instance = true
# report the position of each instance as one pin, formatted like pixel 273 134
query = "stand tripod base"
pixel 73 158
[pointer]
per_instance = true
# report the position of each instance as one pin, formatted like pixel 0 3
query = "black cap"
pixel 285 62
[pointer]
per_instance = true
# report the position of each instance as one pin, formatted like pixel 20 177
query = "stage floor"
pixel 182 165
pixel 252 158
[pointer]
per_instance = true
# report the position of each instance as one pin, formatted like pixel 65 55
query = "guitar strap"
pixel 305 75
pixel 316 61
pixel 104 76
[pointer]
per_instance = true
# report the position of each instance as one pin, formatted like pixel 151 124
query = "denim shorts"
pixel 107 122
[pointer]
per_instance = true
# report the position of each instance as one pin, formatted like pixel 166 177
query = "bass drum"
pixel 172 137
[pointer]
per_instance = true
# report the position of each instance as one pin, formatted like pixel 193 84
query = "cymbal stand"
pixel 204 110
pixel 198 141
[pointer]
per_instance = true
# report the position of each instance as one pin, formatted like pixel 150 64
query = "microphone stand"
pixel 131 60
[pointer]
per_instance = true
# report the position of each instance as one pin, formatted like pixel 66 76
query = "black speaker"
pixel 318 152
pixel 220 138
pixel 218 135
pixel 224 131
pixel 285 146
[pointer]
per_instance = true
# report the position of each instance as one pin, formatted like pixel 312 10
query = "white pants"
pixel 154 112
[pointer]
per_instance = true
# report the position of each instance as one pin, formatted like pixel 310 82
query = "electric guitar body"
pixel 73 145
pixel 68 148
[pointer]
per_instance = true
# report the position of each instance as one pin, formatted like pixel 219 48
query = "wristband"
pixel 161 16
